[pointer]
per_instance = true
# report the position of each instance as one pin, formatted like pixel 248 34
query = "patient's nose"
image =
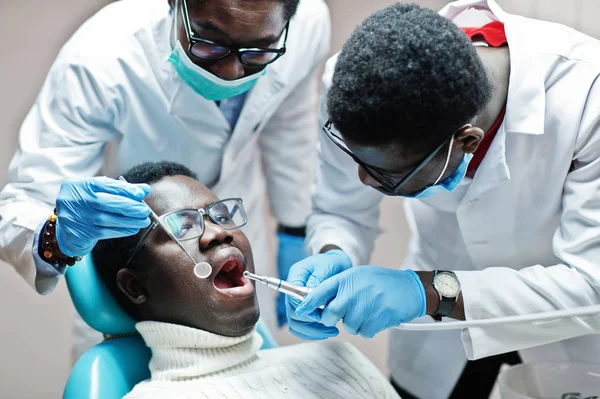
pixel 214 235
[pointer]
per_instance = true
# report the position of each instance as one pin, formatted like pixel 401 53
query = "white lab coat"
pixel 530 217
pixel 112 83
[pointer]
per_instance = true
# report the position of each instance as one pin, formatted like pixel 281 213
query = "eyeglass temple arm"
pixel 185 18
pixel 141 242
pixel 419 167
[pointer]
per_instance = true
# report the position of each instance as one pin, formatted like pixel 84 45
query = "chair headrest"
pixel 94 302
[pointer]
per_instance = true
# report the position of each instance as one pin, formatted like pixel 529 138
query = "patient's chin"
pixel 238 323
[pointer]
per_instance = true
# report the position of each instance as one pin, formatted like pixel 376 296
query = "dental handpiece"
pixel 201 269
pixel 281 286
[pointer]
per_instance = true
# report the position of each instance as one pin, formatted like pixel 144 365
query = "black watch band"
pixel 445 306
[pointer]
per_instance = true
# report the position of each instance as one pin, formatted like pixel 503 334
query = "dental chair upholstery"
pixel 112 368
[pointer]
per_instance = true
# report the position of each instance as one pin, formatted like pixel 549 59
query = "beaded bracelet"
pixel 48 245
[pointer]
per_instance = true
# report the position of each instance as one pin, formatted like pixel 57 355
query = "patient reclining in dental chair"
pixel 202 331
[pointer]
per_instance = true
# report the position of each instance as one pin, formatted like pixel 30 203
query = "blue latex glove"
pixel 368 299
pixel 98 208
pixel 310 273
pixel 291 250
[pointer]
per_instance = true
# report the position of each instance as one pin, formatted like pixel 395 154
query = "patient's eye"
pixel 183 225
pixel 184 229
pixel 220 213
pixel 222 219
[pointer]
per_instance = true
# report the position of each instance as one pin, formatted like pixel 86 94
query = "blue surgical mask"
pixel 205 83
pixel 448 184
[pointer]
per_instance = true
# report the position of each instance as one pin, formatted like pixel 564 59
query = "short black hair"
pixel 110 255
pixel 289 6
pixel 406 76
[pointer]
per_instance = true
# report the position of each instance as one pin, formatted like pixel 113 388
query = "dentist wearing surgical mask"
pixel 226 87
pixel 488 125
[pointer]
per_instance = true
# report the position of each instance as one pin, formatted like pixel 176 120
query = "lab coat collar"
pixel 526 102
pixel 493 171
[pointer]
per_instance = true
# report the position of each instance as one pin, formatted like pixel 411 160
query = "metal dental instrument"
pixel 201 269
pixel 281 286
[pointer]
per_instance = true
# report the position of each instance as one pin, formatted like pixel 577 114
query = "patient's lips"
pixel 229 280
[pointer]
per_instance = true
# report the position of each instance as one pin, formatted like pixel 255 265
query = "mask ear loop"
pixel 447 161
pixel 468 125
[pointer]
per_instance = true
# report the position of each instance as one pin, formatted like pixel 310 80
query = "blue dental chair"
pixel 112 368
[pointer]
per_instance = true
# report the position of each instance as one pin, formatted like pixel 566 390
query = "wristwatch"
pixel 447 286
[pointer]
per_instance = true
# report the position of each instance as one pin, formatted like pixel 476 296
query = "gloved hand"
pixel 98 208
pixel 368 299
pixel 291 250
pixel 310 272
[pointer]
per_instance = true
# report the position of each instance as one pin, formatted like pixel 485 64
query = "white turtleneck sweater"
pixel 190 363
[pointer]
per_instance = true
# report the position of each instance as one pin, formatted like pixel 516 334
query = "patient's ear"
pixel 130 285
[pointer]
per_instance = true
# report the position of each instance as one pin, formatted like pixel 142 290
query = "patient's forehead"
pixel 178 192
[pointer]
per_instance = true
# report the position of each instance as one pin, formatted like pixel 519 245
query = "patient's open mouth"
pixel 230 275
pixel 230 279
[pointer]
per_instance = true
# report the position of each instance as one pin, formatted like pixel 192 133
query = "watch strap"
pixel 445 306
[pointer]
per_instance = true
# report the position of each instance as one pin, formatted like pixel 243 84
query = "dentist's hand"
pixel 310 272
pixel 98 208
pixel 291 251
pixel 368 299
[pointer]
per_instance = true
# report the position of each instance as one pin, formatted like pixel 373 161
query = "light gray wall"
pixel 35 331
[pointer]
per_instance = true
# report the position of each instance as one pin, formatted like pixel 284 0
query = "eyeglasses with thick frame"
pixel 221 51
pixel 237 206
pixel 383 178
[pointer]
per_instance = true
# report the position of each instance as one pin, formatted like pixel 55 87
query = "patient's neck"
pixel 181 352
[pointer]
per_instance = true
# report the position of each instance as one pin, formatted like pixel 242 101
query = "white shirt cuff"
pixel 472 302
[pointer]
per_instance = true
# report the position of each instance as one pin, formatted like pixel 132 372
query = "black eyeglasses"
pixel 187 224
pixel 209 50
pixel 389 183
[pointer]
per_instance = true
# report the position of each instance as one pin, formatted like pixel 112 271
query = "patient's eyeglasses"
pixel 188 224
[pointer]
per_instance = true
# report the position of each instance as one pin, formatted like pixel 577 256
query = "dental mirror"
pixel 202 270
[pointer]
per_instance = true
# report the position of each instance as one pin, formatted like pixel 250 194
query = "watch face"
pixel 447 285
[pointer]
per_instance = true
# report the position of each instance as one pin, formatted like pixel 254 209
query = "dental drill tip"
pixel 252 276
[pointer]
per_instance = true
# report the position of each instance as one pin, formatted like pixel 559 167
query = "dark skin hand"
pixel 255 24
pixel 163 284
